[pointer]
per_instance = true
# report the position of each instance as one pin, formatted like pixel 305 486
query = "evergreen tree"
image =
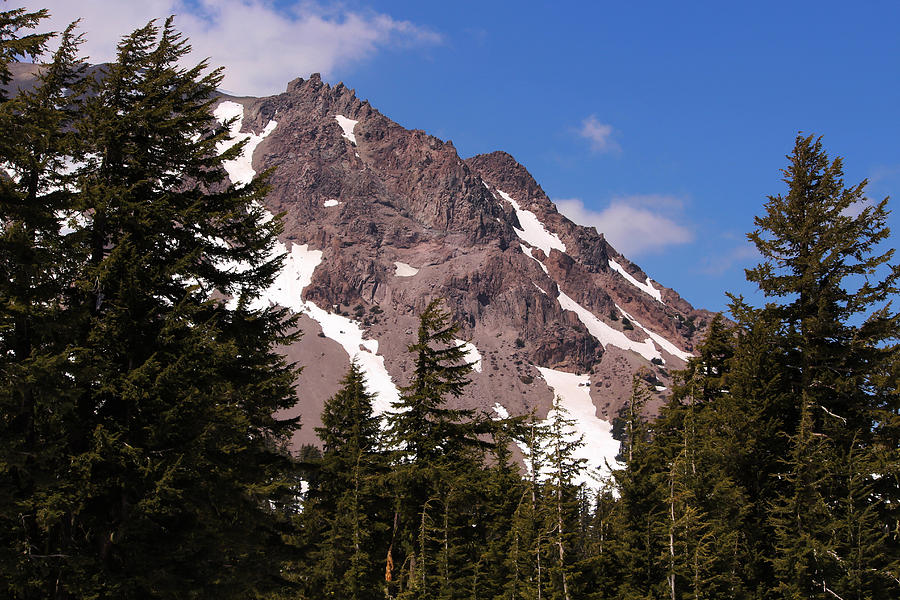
pixel 170 466
pixel 562 493
pixel 15 46
pixel 642 488
pixel 503 489
pixel 707 506
pixel 35 395
pixel 758 411
pixel 530 535
pixel 602 570
pixel 438 449
pixel 821 257
pixel 349 502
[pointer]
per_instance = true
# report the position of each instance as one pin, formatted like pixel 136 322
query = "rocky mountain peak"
pixel 380 219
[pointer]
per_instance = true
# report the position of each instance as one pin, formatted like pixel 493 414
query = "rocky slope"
pixel 380 219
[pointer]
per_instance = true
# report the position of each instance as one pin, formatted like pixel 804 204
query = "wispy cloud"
pixel 634 225
pixel 262 46
pixel 881 173
pixel 599 134
pixel 743 254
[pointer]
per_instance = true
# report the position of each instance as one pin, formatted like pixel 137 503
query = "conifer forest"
pixel 140 454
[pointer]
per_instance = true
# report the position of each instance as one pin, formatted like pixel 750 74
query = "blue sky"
pixel 664 123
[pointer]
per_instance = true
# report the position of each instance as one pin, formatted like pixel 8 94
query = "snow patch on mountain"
pixel 297 273
pixel 501 411
pixel 663 342
pixel 606 334
pixel 600 448
pixel 330 203
pixel 528 253
pixel 533 231
pixel 299 264
pixel 647 288
pixel 347 125
pixel 240 169
pixel 287 291
pixel 401 269
pixel 351 336
pixel 473 356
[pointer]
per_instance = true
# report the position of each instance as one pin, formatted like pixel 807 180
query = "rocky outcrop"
pixel 376 196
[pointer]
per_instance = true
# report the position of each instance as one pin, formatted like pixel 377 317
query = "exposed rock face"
pixel 481 233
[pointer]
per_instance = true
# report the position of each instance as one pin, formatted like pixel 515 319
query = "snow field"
pixel 606 334
pixel 647 288
pixel 240 170
pixel 473 356
pixel 297 273
pixel 599 446
pixel 533 231
pixel 663 342
pixel 347 126
pixel 401 269
pixel 287 291
pixel 330 203
pixel 351 336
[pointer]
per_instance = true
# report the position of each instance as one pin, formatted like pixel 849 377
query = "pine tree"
pixel 562 492
pixel 437 450
pixel 171 469
pixel 759 409
pixel 499 571
pixel 14 45
pixel 698 438
pixel 602 569
pixel 530 535
pixel 821 258
pixel 349 501
pixel 820 247
pixel 642 490
pixel 35 396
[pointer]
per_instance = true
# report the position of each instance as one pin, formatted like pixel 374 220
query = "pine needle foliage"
pixel 160 467
pixel 349 508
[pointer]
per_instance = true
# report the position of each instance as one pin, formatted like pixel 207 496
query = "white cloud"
pixel 634 225
pixel 261 46
pixel 599 134
pixel 743 254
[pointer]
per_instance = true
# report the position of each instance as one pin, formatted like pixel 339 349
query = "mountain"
pixel 380 219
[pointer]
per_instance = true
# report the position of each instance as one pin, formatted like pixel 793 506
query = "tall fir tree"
pixel 438 449
pixel 35 269
pixel 564 469
pixel 171 461
pixel 349 509
pixel 698 439
pixel 503 488
pixel 823 261
pixel 642 488
pixel 529 533
pixel 18 40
